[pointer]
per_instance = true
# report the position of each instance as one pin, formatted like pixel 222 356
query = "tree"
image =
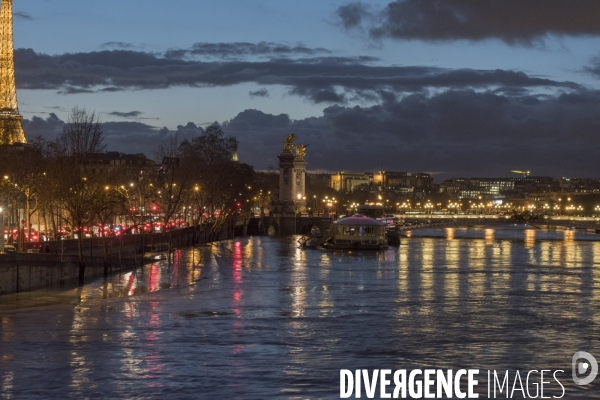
pixel 109 202
pixel 172 181
pixel 76 184
pixel 82 135
pixel 23 179
pixel 219 183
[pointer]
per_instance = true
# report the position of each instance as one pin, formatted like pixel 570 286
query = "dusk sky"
pixel 452 87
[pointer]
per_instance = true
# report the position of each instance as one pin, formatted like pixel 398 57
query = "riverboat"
pixel 358 232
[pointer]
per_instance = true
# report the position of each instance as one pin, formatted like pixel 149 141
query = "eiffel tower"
pixel 11 130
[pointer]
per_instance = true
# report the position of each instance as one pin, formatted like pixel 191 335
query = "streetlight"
pixel 1 231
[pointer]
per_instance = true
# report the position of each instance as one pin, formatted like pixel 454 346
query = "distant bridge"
pixel 590 224
pixel 451 224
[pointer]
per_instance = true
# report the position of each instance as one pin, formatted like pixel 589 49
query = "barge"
pixel 358 232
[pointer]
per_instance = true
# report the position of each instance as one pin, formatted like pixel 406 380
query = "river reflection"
pixel 259 318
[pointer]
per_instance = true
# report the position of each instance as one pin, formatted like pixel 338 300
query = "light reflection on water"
pixel 260 318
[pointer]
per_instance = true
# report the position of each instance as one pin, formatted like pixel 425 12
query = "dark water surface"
pixel 259 318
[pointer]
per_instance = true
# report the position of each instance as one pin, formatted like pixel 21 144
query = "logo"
pixel 583 363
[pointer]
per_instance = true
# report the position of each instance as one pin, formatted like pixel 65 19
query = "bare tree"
pixel 23 179
pixel 82 135
pixel 107 204
pixel 76 184
pixel 219 182
pixel 172 180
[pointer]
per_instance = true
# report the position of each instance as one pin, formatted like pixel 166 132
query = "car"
pixel 9 248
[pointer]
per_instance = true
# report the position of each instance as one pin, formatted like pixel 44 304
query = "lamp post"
pixel 1 231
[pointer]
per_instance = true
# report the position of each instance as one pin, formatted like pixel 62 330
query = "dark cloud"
pixel 243 49
pixel 594 67
pixel 252 120
pixel 117 45
pixel 514 22
pixel 320 79
pixel 59 108
pixel 22 15
pixel 138 137
pixel 127 137
pixel 189 131
pixel 48 128
pixel 111 89
pixel 128 114
pixel 133 137
pixel 259 93
pixel 352 15
pixel 462 132
pixel 74 90
pixel 320 95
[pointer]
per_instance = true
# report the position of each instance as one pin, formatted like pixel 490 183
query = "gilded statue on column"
pixel 300 150
pixel 288 145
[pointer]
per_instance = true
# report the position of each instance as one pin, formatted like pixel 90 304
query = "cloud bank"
pixel 461 132
pixel 514 22
pixel 318 79
pixel 238 50
pixel 414 118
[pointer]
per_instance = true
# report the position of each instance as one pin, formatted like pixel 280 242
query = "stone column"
pixel 286 181
pixel 299 186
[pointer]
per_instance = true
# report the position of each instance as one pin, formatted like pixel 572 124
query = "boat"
pixel 358 232
pixel 393 237
pixel 315 239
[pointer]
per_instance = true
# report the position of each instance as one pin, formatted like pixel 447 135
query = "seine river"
pixel 259 318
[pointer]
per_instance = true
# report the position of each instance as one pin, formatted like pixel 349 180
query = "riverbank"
pixel 21 272
pixel 60 267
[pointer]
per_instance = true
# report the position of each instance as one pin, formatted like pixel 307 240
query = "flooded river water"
pixel 259 318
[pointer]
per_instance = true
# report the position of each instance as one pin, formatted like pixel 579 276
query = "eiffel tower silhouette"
pixel 11 130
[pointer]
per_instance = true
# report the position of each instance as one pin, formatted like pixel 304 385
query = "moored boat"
pixel 358 232
pixel 315 239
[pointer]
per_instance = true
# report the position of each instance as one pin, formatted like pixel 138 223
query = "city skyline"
pixel 357 82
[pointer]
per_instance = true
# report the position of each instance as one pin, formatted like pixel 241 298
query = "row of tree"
pixel 65 183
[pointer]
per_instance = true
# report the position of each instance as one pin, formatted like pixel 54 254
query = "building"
pixel 318 180
pixel 579 185
pixel 495 186
pixel 401 182
pixel 390 180
pixel 452 187
pixel 346 182
pixel 486 188
pixel 125 165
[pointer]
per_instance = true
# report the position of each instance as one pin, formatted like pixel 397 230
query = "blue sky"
pixel 327 115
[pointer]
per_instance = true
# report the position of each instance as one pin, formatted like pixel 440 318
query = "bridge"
pixel 433 225
pixel 425 221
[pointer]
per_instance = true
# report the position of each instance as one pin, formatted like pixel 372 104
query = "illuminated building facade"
pixel 349 181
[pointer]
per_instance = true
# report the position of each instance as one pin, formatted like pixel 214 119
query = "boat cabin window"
pixel 355 230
